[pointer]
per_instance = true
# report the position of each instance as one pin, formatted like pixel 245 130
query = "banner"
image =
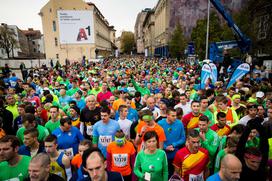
pixel 239 72
pixel 205 74
pixel 76 27
pixel 214 73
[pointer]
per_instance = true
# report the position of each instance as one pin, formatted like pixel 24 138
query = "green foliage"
pixel 177 44
pixel 7 39
pixel 199 33
pixel 127 42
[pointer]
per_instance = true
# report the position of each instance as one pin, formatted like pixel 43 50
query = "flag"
pixel 205 74
pixel 239 72
pixel 214 73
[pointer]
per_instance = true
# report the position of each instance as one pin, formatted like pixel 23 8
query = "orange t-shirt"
pixel 77 161
pixel 120 157
pixel 119 102
pixel 158 129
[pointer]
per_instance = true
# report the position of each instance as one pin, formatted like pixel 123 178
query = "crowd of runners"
pixel 132 118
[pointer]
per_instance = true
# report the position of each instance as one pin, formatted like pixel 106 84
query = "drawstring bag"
pixel 175 177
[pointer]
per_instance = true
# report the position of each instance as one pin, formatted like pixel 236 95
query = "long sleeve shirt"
pixel 175 136
pixel 155 164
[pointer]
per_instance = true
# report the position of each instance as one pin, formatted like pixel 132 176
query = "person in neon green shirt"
pixel 96 89
pixel 12 106
pixel 231 116
pixel 12 166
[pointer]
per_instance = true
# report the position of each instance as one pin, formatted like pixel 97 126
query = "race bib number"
pixel 105 140
pixel 13 179
pixel 228 122
pixel 89 130
pixel 12 83
pixel 68 152
pixel 198 177
pixel 120 160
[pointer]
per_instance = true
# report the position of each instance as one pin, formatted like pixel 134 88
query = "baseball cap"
pixel 259 94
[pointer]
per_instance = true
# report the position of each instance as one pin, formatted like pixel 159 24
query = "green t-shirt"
pixel 255 142
pixel 95 92
pixel 155 164
pixel 43 132
pixel 51 126
pixel 211 143
pixel 72 91
pixel 143 91
pixel 223 143
pixel 219 157
pixel 209 114
pixel 18 172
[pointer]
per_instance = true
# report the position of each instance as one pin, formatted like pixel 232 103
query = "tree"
pixel 127 42
pixel 198 35
pixel 7 39
pixel 177 44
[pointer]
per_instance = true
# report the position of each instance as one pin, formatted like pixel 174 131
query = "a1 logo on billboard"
pixel 82 34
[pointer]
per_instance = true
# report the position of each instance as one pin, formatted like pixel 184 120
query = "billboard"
pixel 76 27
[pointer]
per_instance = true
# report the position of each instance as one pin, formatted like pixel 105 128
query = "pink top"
pixel 103 96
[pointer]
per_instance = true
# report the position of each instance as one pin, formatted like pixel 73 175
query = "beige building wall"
pixel 138 30
pixel 149 33
pixel 73 52
pixel 162 16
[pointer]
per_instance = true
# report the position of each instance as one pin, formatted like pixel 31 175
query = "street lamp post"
pixel 207 35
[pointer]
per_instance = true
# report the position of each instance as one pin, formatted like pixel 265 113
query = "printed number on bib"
pixel 14 179
pixel 89 130
pixel 228 122
pixel 120 160
pixel 198 177
pixel 68 152
pixel 105 140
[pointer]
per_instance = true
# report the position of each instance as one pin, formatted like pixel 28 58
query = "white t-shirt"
pixel 186 108
pixel 125 126
pixel 244 120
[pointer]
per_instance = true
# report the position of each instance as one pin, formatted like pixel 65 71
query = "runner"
pixel 68 137
pixel 121 156
pixel 54 122
pixel 190 120
pixel 12 165
pixel 191 161
pixel 104 131
pixel 60 163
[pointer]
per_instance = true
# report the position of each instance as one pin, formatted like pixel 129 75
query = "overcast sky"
pixel 120 13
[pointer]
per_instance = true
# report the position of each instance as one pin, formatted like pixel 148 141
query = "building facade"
pixel 168 12
pixel 21 48
pixel 74 52
pixel 138 31
pixel 149 33
pixel 35 43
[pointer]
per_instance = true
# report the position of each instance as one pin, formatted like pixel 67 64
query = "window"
pixel 54 26
pixel 34 50
pixel 33 42
pixel 56 41
pixel 57 56
pixel 50 10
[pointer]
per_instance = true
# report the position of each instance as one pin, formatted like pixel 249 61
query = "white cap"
pixel 260 94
